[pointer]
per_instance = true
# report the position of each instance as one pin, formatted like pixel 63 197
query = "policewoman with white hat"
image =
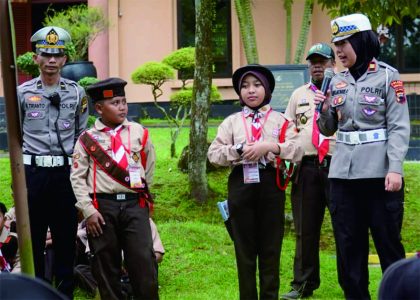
pixel 53 114
pixel 367 109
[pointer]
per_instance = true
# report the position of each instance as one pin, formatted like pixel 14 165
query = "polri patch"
pixel 398 86
pixel 369 111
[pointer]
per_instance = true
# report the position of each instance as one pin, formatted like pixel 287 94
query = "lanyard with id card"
pixel 250 170
pixel 135 177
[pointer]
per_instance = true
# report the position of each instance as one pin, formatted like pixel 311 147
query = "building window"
pixel 402 49
pixel 222 46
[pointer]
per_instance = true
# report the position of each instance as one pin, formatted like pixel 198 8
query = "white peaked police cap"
pixel 344 27
pixel 51 39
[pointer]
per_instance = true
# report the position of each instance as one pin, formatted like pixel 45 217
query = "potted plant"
pixel 84 24
pixel 26 64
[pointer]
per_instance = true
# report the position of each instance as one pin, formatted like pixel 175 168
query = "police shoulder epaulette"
pixel 28 83
pixel 385 65
pixel 68 81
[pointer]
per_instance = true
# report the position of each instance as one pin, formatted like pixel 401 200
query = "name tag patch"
pixel 35 98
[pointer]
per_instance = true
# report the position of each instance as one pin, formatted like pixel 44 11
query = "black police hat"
pixel 237 75
pixel 106 89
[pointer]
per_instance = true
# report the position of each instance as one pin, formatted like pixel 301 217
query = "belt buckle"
pixel 47 161
pixel 120 197
pixel 58 161
pixel 354 138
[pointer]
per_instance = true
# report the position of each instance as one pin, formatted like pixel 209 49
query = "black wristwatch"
pixel 239 148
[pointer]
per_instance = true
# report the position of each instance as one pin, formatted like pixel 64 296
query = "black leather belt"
pixel 117 197
pixel 313 160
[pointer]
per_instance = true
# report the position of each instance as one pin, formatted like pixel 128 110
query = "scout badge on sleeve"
pixel 398 86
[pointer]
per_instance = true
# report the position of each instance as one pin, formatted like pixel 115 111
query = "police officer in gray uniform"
pixel 367 107
pixel 53 114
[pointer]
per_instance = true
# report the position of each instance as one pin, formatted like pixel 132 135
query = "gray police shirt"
pixel 376 100
pixel 38 116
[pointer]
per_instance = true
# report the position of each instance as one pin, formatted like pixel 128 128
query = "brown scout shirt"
pixel 82 170
pixel 232 131
pixel 301 109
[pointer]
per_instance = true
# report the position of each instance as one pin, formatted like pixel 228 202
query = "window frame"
pixel 227 71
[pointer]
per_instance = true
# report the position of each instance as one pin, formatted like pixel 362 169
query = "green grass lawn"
pixel 199 262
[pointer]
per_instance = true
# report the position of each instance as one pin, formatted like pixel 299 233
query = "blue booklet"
pixel 224 209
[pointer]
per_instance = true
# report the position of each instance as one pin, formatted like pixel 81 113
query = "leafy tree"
pixel 247 29
pixel 182 60
pixel 205 12
pixel 83 23
pixel 384 12
pixel 26 64
pixel 155 74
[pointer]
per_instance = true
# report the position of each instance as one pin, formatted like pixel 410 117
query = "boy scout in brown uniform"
pixel 113 163
pixel 310 191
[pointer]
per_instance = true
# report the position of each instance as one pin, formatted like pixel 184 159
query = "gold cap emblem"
pixel 52 37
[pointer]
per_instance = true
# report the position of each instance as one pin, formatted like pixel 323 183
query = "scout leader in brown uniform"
pixel 113 163
pixel 310 191
pixel 248 141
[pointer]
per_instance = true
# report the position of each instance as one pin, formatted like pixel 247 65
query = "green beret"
pixel 321 49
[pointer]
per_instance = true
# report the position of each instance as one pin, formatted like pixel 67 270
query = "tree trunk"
pixel 247 29
pixel 205 12
pixel 303 35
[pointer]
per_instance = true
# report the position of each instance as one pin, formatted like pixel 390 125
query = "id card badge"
pixel 251 173
pixel 135 178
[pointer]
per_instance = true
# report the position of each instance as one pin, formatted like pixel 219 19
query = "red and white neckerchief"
pixel 256 124
pixel 117 146
pixel 321 143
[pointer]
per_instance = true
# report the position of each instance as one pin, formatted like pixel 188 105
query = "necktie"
pixel 320 142
pixel 117 147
